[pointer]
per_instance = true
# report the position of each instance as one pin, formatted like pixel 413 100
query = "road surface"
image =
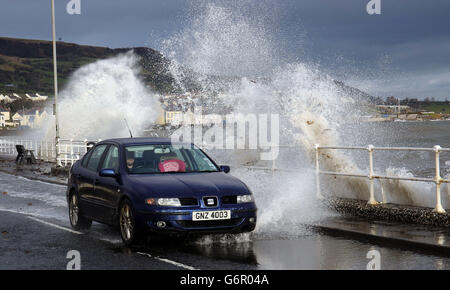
pixel 35 234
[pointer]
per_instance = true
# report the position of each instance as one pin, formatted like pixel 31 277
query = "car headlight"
pixel 169 202
pixel 163 201
pixel 244 198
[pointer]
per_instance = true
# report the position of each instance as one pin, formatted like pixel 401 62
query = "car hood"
pixel 188 184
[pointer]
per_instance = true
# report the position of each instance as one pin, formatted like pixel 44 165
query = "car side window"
pixel 95 157
pixel 111 159
pixel 86 159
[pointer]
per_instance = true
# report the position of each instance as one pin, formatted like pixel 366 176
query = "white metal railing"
pixel 42 150
pixel 438 180
pixel 72 150
pixel 69 150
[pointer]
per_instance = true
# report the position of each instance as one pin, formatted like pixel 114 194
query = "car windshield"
pixel 148 159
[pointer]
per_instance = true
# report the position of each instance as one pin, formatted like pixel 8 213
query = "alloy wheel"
pixel 126 222
pixel 73 210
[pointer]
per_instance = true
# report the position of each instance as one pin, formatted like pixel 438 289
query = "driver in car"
pixel 130 160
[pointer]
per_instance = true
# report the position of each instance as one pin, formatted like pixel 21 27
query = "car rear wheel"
pixel 128 231
pixel 77 221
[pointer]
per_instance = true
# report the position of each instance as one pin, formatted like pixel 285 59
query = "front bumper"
pixel 180 221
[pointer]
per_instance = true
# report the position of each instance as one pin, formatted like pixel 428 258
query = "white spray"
pixel 221 40
pixel 100 95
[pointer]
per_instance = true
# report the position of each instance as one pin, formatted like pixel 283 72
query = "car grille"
pixel 205 224
pixel 186 201
pixel 230 199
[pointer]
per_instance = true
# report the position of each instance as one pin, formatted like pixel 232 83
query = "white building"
pixel 5 98
pixel 5 113
pixel 36 97
pixel 31 118
pixel 13 97
pixel 41 98
pixel 174 117
pixel 2 121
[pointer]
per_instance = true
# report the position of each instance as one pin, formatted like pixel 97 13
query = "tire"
pixel 77 221
pixel 131 236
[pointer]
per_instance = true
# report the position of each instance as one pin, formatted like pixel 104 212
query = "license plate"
pixel 211 215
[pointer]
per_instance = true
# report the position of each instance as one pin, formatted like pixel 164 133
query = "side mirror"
pixel 225 168
pixel 107 173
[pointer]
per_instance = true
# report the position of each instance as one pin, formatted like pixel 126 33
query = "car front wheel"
pixel 128 231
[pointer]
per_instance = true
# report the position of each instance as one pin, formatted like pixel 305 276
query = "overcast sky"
pixel 405 51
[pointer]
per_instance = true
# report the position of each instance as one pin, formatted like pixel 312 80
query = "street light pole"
pixel 55 75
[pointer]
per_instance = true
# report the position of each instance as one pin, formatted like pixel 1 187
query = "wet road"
pixel 35 234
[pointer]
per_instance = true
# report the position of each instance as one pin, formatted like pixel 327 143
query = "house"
pixel 43 115
pixel 17 118
pixel 17 96
pixel 36 97
pixel 4 117
pixel 41 98
pixel 14 97
pixel 24 119
pixel 181 109
pixel 161 119
pixel 5 99
pixel 392 109
pixel 33 118
pixel 5 113
pixel 173 117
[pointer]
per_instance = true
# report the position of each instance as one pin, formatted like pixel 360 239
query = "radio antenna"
pixel 126 123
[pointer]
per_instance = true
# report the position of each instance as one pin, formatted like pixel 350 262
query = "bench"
pixel 24 154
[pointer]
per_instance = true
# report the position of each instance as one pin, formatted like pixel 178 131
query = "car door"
pixel 82 178
pixel 90 202
pixel 108 189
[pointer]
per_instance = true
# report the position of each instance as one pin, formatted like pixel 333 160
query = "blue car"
pixel 151 185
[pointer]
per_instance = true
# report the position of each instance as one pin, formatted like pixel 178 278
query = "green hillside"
pixel 436 107
pixel 26 66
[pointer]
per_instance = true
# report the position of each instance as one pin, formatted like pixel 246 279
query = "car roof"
pixel 142 140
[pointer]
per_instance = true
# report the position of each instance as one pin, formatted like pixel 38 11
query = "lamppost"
pixel 55 76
